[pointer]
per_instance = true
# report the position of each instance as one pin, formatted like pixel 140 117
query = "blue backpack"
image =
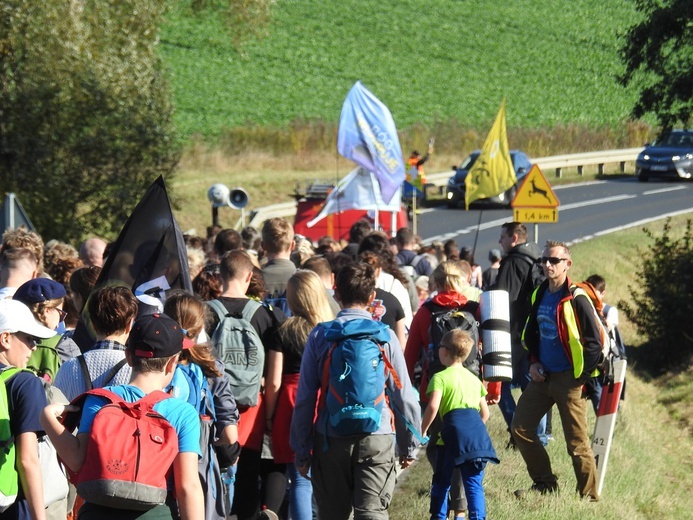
pixel 354 375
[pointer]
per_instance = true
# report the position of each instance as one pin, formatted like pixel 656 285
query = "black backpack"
pixel 443 320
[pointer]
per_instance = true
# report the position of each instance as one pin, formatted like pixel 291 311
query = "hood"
pixel 338 330
pixel 528 249
pixel 449 299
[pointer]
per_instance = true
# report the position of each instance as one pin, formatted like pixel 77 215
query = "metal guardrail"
pixel 556 162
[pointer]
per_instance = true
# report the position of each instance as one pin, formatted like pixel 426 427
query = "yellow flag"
pixel 493 170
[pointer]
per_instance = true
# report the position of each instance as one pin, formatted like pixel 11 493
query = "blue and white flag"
pixel 367 136
pixel 358 190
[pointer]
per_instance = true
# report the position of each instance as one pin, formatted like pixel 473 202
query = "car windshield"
pixel 675 140
pixel 469 161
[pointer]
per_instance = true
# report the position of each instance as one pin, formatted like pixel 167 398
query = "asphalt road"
pixel 586 211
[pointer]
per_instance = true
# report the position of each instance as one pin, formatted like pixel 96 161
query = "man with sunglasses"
pixel 563 340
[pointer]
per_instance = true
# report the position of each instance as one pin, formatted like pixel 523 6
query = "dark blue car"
pixel 456 188
pixel 670 155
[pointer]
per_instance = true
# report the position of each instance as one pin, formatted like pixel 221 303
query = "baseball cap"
pixel 17 317
pixel 157 336
pixel 39 290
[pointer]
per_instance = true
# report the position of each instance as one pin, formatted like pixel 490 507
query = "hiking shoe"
pixel 266 514
pixel 543 489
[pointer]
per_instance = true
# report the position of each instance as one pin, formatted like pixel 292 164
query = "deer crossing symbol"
pixel 537 191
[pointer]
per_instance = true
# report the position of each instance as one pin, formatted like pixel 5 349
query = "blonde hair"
pixel 306 297
pixel 449 276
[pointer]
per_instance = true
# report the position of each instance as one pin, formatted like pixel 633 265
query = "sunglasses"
pixel 62 313
pixel 553 260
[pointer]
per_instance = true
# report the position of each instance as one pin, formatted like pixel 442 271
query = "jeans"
pixel 563 390
pixel 458 498
pixel 230 481
pixel 301 491
pixel 472 478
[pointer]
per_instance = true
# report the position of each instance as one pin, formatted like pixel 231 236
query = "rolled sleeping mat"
pixel 495 336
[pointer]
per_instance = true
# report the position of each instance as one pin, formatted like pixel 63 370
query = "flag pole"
pixel 478 228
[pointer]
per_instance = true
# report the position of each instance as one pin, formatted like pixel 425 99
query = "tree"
pixel 85 112
pixel 658 55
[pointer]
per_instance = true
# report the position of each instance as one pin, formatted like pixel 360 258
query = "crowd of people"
pixel 243 372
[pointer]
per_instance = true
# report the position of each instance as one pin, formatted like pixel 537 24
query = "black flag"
pixel 149 257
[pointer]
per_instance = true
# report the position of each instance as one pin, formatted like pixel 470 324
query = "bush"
pixel 85 115
pixel 661 307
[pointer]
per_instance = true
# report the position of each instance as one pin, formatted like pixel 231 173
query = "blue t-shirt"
pixel 183 417
pixel 551 352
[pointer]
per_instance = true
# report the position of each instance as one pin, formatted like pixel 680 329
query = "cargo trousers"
pixel 563 390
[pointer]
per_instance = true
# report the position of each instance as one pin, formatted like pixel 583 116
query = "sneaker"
pixel 543 489
pixel 511 444
pixel 266 514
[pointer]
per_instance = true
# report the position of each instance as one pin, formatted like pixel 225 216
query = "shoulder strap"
pixel 8 373
pixel 85 372
pixel 219 308
pixel 112 372
pixel 250 308
pixel 153 398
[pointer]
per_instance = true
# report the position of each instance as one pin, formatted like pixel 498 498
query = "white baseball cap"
pixel 17 317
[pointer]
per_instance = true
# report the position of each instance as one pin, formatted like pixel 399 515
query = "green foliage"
pixel 555 62
pixel 85 115
pixel 661 306
pixel 658 54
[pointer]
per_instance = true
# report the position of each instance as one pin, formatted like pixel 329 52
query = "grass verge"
pixel 649 467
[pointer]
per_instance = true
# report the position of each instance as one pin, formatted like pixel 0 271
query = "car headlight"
pixel 676 158
pixel 645 157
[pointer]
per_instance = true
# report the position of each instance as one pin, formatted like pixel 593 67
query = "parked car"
pixel 670 155
pixel 456 188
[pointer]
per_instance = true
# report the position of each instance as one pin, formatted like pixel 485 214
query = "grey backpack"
pixel 241 350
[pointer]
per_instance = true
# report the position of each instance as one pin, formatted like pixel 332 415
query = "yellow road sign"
pixel 535 192
pixel 537 215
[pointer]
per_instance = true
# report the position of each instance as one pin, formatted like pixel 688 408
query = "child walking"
pixel 464 442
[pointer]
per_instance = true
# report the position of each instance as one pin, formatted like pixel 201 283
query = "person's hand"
pixel 303 467
pixel 58 409
pixel 492 399
pixel 536 373
pixel 405 461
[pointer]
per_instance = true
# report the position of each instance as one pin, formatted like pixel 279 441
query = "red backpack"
pixel 131 449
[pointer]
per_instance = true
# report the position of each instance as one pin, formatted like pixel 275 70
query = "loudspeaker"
pixel 219 195
pixel 238 198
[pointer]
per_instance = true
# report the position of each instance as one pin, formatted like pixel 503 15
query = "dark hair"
pixel 146 365
pixel 227 240
pixel 451 250
pixel 515 228
pixel 257 287
pixel 207 284
pixel 404 236
pixel 338 261
pixel 359 230
pixel 355 283
pixel 82 280
pixel 379 243
pixel 111 308
pixel 251 238
pixel 597 281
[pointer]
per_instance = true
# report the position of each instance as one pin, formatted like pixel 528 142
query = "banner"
pixel 367 135
pixel 149 257
pixel 493 171
pixel 358 190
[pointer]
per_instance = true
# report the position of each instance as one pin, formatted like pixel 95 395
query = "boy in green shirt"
pixel 464 442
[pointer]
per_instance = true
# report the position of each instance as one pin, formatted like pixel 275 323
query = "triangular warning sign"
pixel 535 192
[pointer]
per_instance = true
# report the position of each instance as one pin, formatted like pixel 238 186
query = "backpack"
pixel 197 393
pixel 9 478
pixel 279 301
pixel 443 320
pixel 606 337
pixel 109 376
pixel 241 351
pixel 410 268
pixel 131 473
pixel 55 486
pixel 354 376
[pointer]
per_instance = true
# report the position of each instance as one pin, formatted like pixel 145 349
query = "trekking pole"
pixel 478 228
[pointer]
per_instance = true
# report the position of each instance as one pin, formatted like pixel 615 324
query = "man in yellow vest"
pixel 563 340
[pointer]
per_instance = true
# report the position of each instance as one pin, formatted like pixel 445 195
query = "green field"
pixel 555 62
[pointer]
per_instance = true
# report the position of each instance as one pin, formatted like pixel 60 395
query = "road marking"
pixel 663 190
pixel 594 202
pixel 627 226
